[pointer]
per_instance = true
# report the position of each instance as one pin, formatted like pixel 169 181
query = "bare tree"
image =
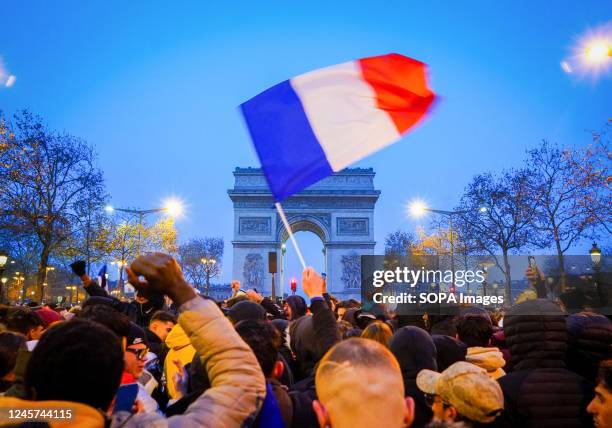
pixel 507 224
pixel 399 243
pixel 44 176
pixel 562 197
pixel 591 168
pixel 201 260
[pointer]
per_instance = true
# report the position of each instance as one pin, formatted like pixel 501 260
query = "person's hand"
pixel 254 296
pixel 138 407
pixel 235 285
pixel 78 267
pixel 534 275
pixel 180 379
pixel 162 274
pixel 312 283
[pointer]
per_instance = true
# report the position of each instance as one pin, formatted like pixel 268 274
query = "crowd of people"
pixel 175 358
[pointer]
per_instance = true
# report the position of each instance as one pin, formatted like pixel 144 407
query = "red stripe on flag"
pixel 400 84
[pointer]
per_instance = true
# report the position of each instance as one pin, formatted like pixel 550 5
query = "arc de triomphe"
pixel 339 210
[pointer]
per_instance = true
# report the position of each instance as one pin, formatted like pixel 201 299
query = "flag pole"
pixel 281 213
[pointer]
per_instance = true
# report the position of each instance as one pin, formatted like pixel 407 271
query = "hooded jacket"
pixel 541 392
pixel 448 350
pixel 414 349
pixel 489 358
pixel 180 348
pixel 589 343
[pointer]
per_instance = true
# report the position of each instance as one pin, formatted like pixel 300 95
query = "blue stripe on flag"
pixel 290 154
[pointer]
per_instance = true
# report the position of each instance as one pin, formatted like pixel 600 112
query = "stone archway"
pixel 339 210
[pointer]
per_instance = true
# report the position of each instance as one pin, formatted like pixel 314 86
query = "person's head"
pixel 161 323
pixel 353 379
pixel 474 330
pixel 246 310
pixel 26 322
pixel 294 307
pixel 343 306
pixel 462 392
pixel 601 405
pixel 414 350
pixel 10 344
pixel 378 331
pixel 79 361
pixel 265 340
pixel 115 321
pixel 135 351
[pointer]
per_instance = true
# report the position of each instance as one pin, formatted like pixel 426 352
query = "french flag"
pixel 306 128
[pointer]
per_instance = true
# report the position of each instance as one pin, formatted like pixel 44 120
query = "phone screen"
pixel 126 395
pixel 532 262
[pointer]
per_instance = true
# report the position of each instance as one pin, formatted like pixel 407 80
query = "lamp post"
pixel 595 254
pixel 3 260
pixel 20 278
pixel 45 284
pixel 4 290
pixel 418 209
pixel 282 270
pixel 121 264
pixel 209 265
pixel 173 207
pixel 72 288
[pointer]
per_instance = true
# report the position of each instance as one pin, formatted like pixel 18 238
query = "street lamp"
pixel 209 264
pixel 418 208
pixel 173 207
pixel 595 254
pixel 121 264
pixel 282 269
pixel 3 260
pixel 47 270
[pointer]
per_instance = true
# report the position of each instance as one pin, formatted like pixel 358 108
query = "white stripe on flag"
pixel 341 108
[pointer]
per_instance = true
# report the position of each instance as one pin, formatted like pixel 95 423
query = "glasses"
pixel 140 353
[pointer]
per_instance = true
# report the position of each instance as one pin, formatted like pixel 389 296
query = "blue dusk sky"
pixel 155 87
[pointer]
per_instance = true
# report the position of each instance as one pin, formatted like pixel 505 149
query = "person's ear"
pixel 450 413
pixel 408 411
pixel 322 416
pixel 277 372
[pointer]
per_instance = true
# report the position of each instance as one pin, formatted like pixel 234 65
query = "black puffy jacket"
pixel 541 392
pixel 589 343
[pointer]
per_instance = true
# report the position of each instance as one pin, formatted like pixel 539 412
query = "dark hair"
pixel 474 330
pixel 116 322
pixel 163 316
pixel 605 374
pixel 79 361
pixel 23 320
pixel 298 306
pixel 10 343
pixel 353 332
pixel 264 339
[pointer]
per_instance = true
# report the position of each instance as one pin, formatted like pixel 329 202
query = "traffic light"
pixel 293 285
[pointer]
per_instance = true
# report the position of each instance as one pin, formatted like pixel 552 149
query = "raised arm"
pixel 237 383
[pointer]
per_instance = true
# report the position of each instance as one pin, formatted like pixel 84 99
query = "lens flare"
pixel 174 207
pixel 416 208
pixel 591 55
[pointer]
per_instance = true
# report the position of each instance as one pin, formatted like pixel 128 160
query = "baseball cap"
pixel 467 388
pixel 136 336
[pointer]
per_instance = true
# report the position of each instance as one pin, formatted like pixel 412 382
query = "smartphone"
pixel 126 396
pixel 532 263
